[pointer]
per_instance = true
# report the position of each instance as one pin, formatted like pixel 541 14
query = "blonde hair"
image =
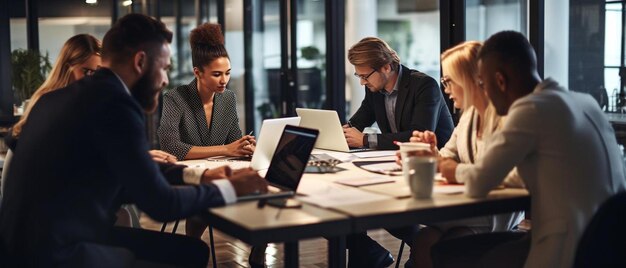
pixel 76 50
pixel 373 52
pixel 460 63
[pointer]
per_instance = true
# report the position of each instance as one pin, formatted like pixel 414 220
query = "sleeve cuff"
pixel 372 139
pixel 227 190
pixel 473 188
pixel 461 173
pixel 192 175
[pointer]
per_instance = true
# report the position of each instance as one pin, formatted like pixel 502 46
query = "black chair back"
pixel 604 242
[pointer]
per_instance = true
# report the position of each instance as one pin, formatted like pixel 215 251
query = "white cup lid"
pixel 413 146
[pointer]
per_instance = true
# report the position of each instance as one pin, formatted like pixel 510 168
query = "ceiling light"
pixel 91 2
pixel 127 3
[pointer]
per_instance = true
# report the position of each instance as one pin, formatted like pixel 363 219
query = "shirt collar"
pixel 121 81
pixel 395 86
pixel 548 84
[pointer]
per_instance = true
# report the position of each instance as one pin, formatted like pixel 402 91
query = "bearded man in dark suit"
pixel 83 153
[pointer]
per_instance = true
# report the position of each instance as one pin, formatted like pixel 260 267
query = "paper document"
pixel 230 158
pixel 380 167
pixel 401 190
pixel 343 157
pixel 325 195
pixel 231 164
pixel 197 165
pixel 369 154
pixel 362 181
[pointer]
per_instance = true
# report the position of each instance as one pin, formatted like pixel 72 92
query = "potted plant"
pixel 30 69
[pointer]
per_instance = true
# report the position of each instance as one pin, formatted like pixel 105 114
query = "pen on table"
pixel 261 203
pixel 278 213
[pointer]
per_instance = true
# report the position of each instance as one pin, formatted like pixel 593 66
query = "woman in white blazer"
pixel 564 149
pixel 467 143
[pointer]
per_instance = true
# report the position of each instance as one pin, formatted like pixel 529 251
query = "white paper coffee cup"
pixel 419 173
pixel 418 168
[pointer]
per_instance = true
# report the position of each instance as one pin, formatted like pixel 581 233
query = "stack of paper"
pixel 326 194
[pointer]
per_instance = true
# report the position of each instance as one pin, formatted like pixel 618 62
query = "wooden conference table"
pixel 333 211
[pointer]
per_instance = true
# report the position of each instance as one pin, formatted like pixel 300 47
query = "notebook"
pixel 288 162
pixel 331 132
pixel 268 139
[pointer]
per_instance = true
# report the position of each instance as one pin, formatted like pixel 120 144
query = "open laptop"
pixel 268 139
pixel 288 163
pixel 331 132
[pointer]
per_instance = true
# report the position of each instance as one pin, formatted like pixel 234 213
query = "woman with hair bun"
pixel 200 120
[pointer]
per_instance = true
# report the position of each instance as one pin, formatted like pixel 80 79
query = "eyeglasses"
pixel 446 81
pixel 88 71
pixel 366 76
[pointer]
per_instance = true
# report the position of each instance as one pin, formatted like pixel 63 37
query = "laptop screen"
pixel 291 157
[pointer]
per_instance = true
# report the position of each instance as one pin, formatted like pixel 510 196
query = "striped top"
pixel 183 121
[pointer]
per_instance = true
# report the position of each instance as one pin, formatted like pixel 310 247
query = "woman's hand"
pixel 241 147
pixel 426 136
pixel 162 157
pixel 447 167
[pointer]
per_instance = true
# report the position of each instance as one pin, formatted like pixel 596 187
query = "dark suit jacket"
pixel 173 173
pixel 420 106
pixel 82 153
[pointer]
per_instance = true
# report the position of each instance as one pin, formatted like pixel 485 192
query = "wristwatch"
pixel 366 142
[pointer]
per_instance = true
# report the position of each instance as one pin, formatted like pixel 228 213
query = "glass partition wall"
pixel 411 28
pixel 286 60
pixel 279 51
pixel 614 53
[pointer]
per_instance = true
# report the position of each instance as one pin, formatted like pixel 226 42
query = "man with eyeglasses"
pixel 400 100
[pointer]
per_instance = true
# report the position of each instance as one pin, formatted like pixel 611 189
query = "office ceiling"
pixel 78 8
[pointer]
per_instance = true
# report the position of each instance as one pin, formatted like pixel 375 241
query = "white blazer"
pixel 566 152
pixel 465 146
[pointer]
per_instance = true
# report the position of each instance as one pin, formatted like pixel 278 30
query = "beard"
pixel 145 92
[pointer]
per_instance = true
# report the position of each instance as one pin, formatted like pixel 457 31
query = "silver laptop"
pixel 331 132
pixel 288 163
pixel 268 139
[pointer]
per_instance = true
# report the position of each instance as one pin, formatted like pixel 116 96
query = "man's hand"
pixel 248 181
pixel 447 167
pixel 162 157
pixel 241 147
pixel 216 174
pixel 354 137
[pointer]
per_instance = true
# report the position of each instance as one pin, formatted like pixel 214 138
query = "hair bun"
pixel 208 34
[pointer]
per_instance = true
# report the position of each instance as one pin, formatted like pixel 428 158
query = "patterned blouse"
pixel 183 121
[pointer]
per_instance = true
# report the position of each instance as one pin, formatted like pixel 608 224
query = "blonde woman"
pixel 467 143
pixel 79 56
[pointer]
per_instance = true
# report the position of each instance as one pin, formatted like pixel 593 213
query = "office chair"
pixel 399 259
pixel 211 240
pixel 604 239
